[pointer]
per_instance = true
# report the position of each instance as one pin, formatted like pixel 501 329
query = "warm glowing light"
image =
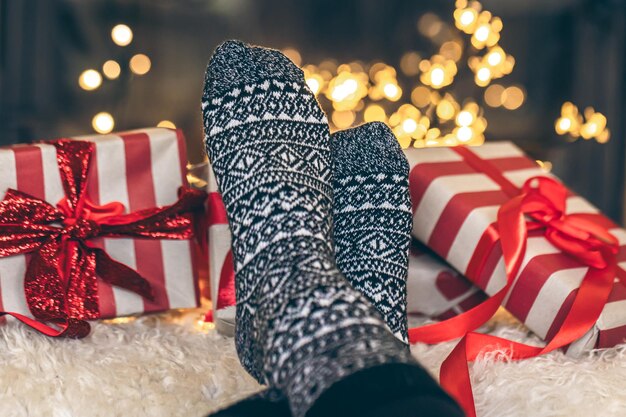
pixel 604 136
pixel 464 134
pixel 452 50
pixel 409 125
pixel 111 69
pixel 420 96
pixel 482 33
pixel 486 30
pixel 343 90
pixel 464 118
pixel 313 84
pixel 438 71
pixel 343 119
pixel 167 124
pixel 293 55
pixel 467 17
pixel 436 77
pixel 103 122
pixel 445 110
pixel 494 58
pixel 592 125
pixel 483 74
pixel 512 98
pixel 493 95
pixel 563 125
pixel 429 25
pixel 347 89
pixel 374 113
pixel 122 35
pixel 392 91
pixel 545 166
pixel 90 80
pixel 140 64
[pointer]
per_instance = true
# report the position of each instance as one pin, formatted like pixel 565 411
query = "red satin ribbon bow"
pixel 61 276
pixel 540 204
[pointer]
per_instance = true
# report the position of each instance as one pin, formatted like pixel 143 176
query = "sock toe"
pixel 382 152
pixel 237 63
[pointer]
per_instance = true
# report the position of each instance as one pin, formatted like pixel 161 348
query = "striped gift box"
pixel 141 169
pixel 454 204
pixel 220 264
pixel 435 289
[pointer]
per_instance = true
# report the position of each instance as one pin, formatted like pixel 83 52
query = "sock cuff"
pixel 369 148
pixel 236 63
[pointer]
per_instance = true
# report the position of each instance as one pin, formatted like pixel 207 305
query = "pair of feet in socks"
pixel 319 338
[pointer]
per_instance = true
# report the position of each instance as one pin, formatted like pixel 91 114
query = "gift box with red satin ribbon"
pixel 563 260
pixel 97 227
pixel 435 289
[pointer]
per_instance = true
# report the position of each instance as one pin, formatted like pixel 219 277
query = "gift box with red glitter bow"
pixel 97 227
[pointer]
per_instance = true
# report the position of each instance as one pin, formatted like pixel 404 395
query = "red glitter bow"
pixel 61 276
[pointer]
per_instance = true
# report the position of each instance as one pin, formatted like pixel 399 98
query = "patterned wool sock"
pixel 301 328
pixel 372 218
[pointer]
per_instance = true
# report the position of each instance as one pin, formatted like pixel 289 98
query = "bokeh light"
pixel 122 35
pixel 111 69
pixel 140 64
pixel 103 122
pixel 166 123
pixel 90 80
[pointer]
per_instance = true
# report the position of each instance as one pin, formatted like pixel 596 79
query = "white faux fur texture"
pixel 166 365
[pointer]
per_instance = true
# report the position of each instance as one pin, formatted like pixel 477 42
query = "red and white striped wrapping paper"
pixel 435 289
pixel 454 204
pixel 141 169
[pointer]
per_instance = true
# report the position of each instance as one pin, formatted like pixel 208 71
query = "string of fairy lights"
pixel 418 100
pixel 91 79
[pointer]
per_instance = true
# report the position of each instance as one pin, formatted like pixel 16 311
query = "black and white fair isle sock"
pixel 301 328
pixel 372 218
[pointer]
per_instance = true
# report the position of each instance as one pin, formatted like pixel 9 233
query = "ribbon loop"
pixel 544 201
pixel 540 204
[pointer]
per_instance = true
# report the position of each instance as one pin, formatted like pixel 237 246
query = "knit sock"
pixel 372 218
pixel 301 328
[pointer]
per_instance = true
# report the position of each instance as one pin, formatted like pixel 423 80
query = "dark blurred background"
pixel 565 50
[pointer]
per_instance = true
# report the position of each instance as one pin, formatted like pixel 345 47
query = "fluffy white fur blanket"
pixel 171 366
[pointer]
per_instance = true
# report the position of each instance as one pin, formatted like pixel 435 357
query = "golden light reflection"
pixel 140 64
pixel 590 125
pixel 513 98
pixel 111 69
pixel 437 71
pixel 343 119
pixel 103 122
pixel 546 166
pixel 90 80
pixel 122 35
pixel 433 114
pixel 294 55
pixel 420 96
pixel 493 95
pixel 166 123
pixel 374 113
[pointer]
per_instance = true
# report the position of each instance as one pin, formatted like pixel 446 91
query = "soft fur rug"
pixel 171 365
